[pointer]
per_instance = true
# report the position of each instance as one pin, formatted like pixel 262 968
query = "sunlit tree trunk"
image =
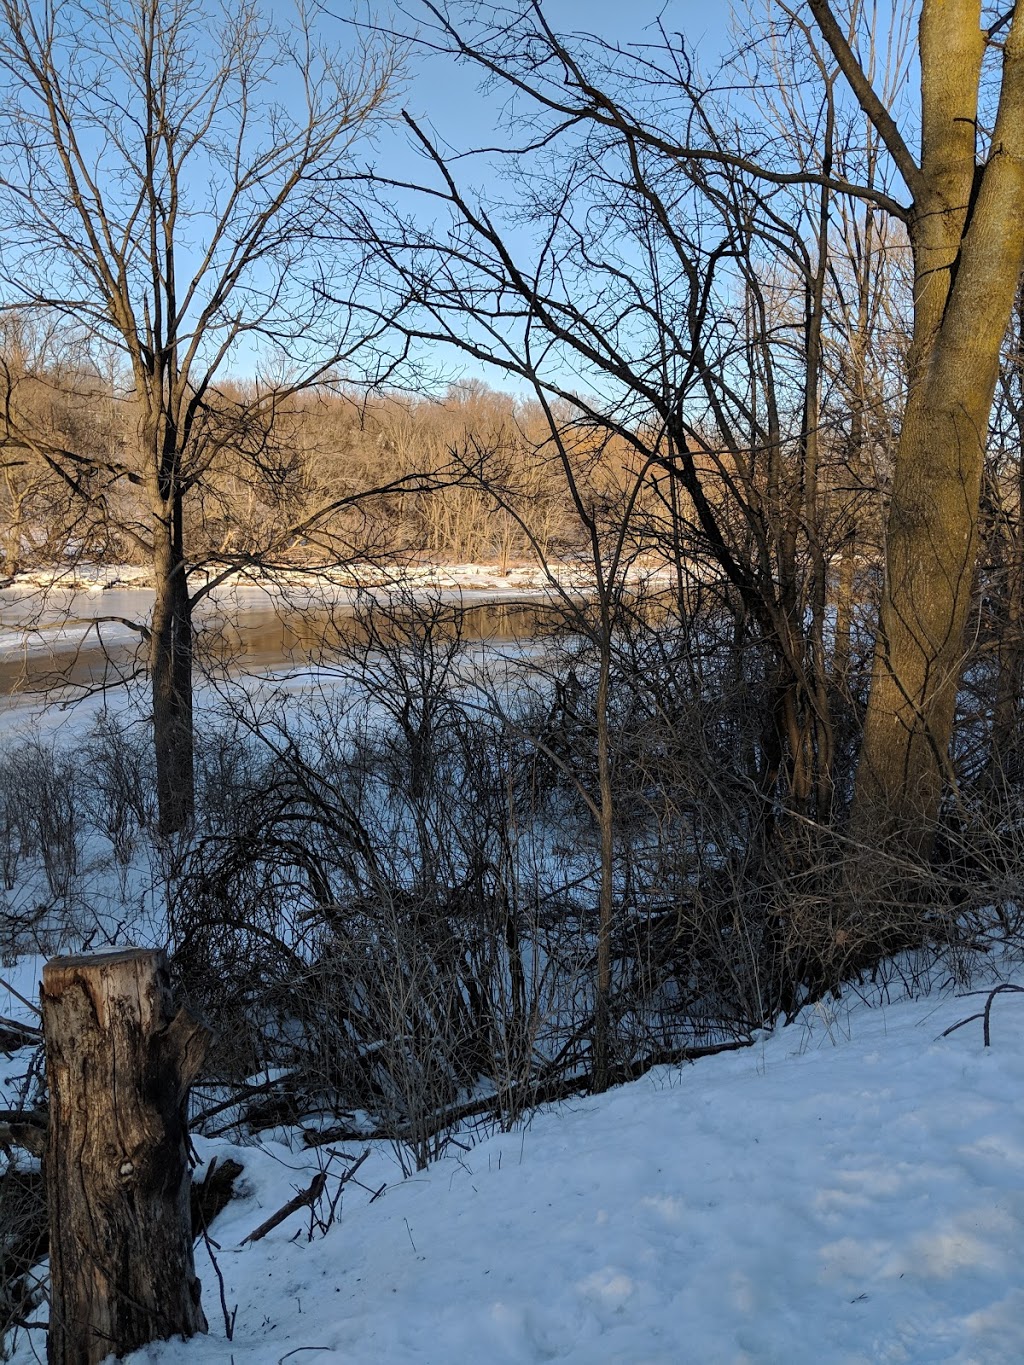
pixel 968 248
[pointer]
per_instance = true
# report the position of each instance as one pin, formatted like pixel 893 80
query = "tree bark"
pixel 170 666
pixel 119 1064
pixel 968 254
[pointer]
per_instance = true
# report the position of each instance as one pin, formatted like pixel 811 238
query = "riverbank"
pixel 344 578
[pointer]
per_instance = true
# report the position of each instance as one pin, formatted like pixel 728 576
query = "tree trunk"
pixel 119 1066
pixel 968 250
pixel 924 611
pixel 170 664
pixel 602 1040
pixel 1010 657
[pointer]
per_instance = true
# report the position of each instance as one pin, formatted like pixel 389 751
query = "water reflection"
pixel 255 639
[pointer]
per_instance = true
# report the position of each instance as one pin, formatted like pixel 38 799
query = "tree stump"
pixel 119 1064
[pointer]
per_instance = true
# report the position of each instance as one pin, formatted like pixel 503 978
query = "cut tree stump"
pixel 119 1064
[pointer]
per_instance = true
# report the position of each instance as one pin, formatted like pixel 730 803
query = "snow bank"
pixel 850 1190
pixel 97 578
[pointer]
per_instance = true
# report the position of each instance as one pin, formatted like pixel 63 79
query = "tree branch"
pixel 868 99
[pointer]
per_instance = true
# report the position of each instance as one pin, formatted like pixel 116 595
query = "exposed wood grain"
pixel 119 1064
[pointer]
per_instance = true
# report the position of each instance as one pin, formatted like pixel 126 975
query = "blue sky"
pixel 445 93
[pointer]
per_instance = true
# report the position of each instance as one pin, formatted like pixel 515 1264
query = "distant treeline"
pixel 471 475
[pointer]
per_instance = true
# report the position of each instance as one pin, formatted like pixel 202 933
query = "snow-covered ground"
pixel 851 1189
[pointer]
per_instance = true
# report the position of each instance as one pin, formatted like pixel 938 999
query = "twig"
pixel 18 996
pixel 229 1318
pixel 985 1015
pixel 350 1173
pixel 30 1033
pixel 239 1097
pixel 305 1199
pixel 342 1182
pixel 542 1090
pixel 999 990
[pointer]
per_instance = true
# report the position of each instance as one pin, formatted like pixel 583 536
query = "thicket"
pixel 389 899
pixel 388 905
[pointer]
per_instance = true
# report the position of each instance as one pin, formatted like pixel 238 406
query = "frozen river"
pixel 88 640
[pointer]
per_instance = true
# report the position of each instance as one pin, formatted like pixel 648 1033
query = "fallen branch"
pixel 544 1090
pixel 15 1035
pixel 29 1004
pixel 304 1200
pixel 240 1097
pixel 25 1128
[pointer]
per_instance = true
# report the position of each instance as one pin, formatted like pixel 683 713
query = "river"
pixel 91 640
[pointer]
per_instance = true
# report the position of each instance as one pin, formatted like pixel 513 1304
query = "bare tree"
pixel 672 304
pixel 670 317
pixel 959 200
pixel 168 171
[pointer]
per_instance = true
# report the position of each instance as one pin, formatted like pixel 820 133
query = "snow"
pixel 102 578
pixel 45 605
pixel 850 1189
